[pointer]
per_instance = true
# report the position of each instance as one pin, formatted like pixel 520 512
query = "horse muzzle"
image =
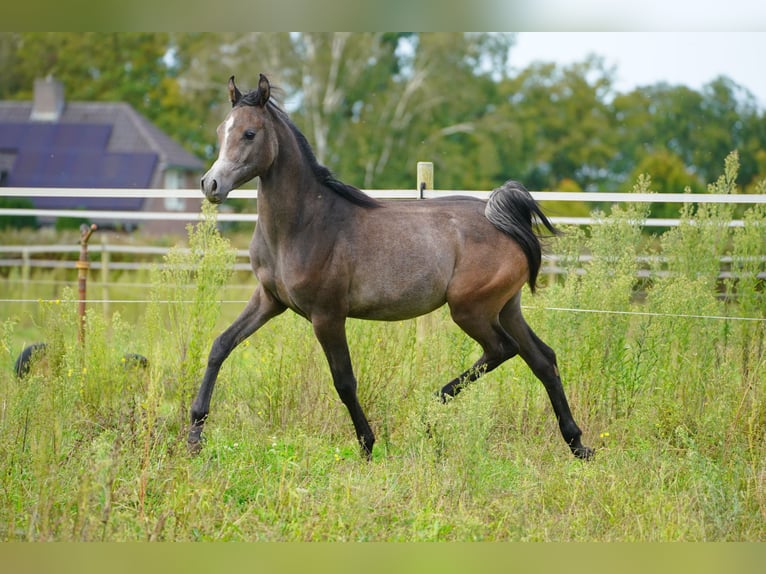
pixel 212 188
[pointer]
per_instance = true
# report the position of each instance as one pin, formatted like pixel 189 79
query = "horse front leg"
pixel 260 308
pixel 331 334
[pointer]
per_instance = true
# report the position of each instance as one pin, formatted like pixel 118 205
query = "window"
pixel 173 180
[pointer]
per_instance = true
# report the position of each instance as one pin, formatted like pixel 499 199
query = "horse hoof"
pixel 194 442
pixel 193 447
pixel 584 452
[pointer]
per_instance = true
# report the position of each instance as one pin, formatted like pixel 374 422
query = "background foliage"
pixel 372 104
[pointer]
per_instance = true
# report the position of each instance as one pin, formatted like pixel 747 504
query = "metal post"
pixel 82 266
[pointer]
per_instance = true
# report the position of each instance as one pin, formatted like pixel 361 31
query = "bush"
pixel 17 221
pixel 71 223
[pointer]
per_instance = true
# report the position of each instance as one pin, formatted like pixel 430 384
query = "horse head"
pixel 247 142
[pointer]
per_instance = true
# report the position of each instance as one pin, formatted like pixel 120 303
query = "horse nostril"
pixel 213 187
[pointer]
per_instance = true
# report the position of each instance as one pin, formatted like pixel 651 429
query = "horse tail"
pixel 513 210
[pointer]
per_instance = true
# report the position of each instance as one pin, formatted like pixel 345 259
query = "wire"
pixel 528 307
pixel 647 314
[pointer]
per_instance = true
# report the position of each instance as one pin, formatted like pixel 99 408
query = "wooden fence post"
pixel 105 259
pixel 25 267
pixel 425 179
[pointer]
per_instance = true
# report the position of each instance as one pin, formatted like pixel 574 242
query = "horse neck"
pixel 289 195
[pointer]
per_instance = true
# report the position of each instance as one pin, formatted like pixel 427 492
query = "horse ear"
pixel 234 94
pixel 264 91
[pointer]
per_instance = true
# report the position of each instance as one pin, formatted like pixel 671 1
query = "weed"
pixel 664 379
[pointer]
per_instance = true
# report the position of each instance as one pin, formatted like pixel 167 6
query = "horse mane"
pixel 323 174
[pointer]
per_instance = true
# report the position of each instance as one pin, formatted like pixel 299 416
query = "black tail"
pixel 513 211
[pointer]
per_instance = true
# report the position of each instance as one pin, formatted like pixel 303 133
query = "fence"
pixel 24 255
pixel 542 196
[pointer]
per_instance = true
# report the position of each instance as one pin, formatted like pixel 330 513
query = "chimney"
pixel 49 100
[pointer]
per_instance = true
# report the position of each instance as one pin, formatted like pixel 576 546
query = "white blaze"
pixel 227 129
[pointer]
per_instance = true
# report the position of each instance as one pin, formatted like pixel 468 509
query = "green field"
pixel 667 380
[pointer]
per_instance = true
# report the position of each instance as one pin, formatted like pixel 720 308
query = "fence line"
pixel 527 307
pixel 585 196
pixel 224 216
pixel 97 215
pixel 105 264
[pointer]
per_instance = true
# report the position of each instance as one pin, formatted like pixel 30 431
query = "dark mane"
pixel 322 173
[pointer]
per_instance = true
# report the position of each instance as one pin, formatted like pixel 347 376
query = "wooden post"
pixel 105 259
pixel 425 177
pixel 25 267
pixel 26 271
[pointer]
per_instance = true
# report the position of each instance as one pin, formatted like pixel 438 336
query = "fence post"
pixel 425 181
pixel 26 271
pixel 105 259
pixel 25 267
pixel 82 265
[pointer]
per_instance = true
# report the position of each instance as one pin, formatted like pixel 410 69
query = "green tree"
pixel 699 128
pixel 371 104
pixel 563 126
pixel 669 175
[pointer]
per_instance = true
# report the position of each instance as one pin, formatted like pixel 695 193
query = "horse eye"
pixel 249 134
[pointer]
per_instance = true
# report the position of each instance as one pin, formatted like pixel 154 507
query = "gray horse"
pixel 328 251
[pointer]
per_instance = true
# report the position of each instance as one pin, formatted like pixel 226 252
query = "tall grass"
pixel 665 378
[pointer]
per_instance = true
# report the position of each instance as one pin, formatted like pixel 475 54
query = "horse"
pixel 328 251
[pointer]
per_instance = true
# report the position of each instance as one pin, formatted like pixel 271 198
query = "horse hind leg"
pixel 541 359
pixel 497 348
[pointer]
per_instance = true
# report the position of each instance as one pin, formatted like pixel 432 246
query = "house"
pixel 50 142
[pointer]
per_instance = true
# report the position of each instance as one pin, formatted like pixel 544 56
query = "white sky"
pixel 641 58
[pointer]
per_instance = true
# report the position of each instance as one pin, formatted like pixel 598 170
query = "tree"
pixel 699 128
pixel 371 104
pixel 562 124
pixel 669 174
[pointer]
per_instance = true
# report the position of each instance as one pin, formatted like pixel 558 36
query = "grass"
pixel 93 449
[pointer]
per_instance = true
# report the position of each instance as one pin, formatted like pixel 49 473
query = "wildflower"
pixel 604 435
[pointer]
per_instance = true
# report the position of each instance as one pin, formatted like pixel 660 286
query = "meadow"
pixel 665 374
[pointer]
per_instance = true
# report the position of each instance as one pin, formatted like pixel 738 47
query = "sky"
pixel 692 59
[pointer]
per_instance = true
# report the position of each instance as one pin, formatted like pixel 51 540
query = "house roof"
pixel 88 145
pixel 131 132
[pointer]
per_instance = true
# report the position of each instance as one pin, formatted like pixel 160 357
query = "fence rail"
pixel 595 197
pixel 21 256
pixel 542 196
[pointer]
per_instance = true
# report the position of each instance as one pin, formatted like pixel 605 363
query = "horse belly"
pixel 399 291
